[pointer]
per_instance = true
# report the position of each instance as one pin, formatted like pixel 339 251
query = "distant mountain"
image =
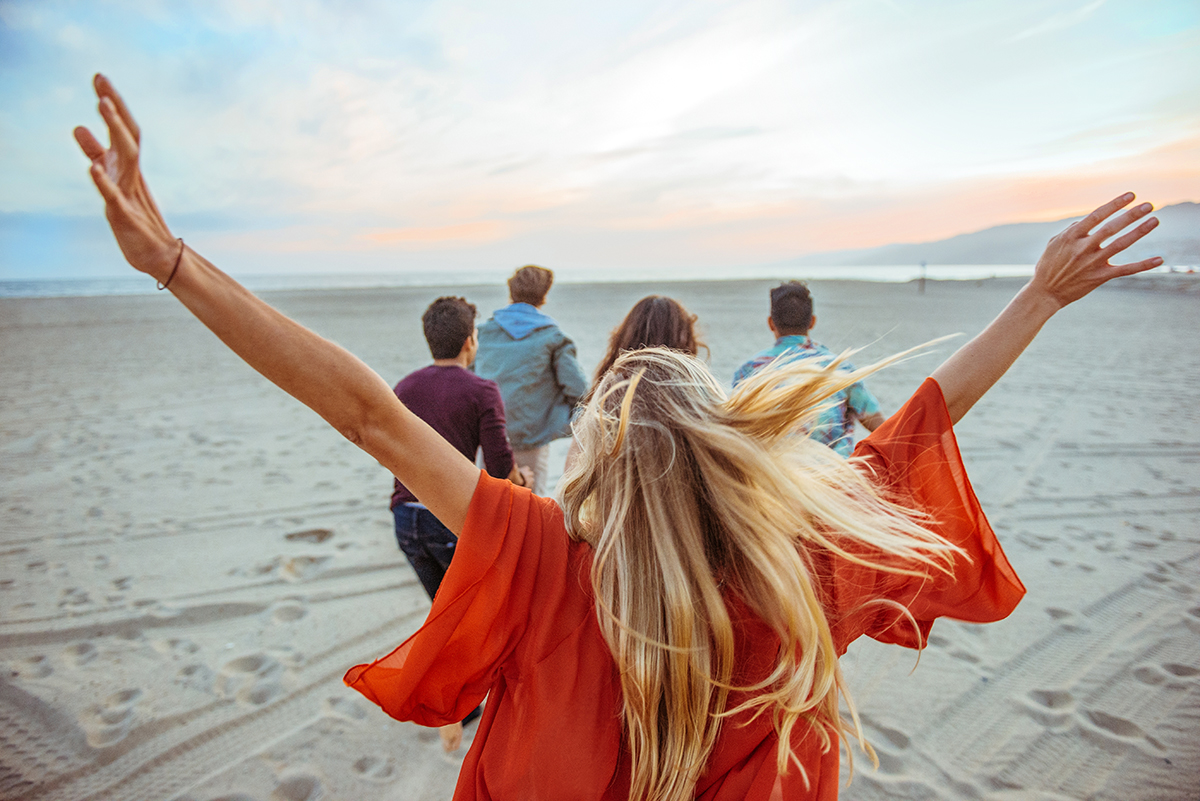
pixel 1177 240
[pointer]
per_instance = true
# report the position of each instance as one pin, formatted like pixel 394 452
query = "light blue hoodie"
pixel 534 362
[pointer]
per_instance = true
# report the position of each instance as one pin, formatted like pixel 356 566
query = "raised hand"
pixel 141 232
pixel 1074 263
pixel 1077 260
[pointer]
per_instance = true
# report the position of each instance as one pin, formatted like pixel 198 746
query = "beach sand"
pixel 191 559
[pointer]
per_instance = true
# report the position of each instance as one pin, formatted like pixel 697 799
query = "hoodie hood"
pixel 521 319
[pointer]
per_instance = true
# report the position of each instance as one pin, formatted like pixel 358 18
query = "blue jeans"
pixel 428 544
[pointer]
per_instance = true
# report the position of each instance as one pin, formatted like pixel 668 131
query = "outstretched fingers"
pixel 1121 222
pixel 1137 266
pixel 113 198
pixel 1104 212
pixel 1125 240
pixel 104 88
pixel 118 133
pixel 88 143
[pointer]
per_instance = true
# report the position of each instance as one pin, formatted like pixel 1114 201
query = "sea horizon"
pixel 137 284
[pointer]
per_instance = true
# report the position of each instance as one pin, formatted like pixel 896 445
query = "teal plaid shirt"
pixel 835 426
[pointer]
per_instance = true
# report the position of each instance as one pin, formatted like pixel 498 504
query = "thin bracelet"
pixel 179 258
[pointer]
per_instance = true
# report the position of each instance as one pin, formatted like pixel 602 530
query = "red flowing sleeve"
pixel 480 615
pixel 915 456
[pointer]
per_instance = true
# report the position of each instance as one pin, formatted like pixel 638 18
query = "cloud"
pixel 463 235
pixel 1060 22
pixel 632 131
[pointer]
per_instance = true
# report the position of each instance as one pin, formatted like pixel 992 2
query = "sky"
pixel 362 135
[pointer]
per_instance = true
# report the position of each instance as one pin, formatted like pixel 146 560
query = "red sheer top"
pixel 515 620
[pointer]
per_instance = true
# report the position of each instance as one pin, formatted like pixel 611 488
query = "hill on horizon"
pixel 1177 240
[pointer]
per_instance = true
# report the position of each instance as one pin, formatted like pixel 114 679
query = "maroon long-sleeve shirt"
pixel 465 409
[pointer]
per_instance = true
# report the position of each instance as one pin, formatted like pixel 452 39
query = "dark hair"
pixel 791 308
pixel 448 323
pixel 654 321
pixel 530 285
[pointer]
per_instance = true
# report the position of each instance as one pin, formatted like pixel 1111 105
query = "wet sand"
pixel 190 560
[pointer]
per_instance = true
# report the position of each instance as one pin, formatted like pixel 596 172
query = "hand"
pixel 1076 261
pixel 136 222
pixel 451 737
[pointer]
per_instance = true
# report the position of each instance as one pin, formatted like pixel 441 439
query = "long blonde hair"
pixel 686 495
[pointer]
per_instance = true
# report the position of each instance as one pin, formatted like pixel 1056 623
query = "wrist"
pixel 177 259
pixel 1039 300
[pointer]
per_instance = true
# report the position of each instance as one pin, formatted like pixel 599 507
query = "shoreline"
pixel 134 286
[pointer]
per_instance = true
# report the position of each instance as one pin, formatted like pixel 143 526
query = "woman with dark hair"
pixel 670 628
pixel 654 321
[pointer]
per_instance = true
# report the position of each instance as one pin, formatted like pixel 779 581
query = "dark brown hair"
pixel 791 308
pixel 448 323
pixel 654 321
pixel 530 285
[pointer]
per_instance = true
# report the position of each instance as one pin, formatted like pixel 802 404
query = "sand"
pixel 191 560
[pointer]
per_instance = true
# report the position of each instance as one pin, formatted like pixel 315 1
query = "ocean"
pixel 136 284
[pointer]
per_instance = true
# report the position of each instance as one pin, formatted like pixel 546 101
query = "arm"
pixel 318 373
pixel 872 421
pixel 864 406
pixel 1073 264
pixel 497 453
pixel 568 373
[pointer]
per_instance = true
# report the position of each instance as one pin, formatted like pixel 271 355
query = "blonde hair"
pixel 686 495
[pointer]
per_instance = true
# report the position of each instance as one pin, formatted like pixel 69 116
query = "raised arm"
pixel 318 373
pixel 1073 264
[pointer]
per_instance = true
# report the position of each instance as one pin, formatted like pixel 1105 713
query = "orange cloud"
pixel 1167 175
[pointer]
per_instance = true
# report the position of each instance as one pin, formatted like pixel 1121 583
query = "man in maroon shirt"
pixel 467 411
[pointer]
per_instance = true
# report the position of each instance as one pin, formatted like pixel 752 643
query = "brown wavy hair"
pixel 654 321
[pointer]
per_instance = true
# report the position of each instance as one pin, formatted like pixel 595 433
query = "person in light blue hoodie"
pixel 524 351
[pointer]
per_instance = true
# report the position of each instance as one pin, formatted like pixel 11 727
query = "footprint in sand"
pixel 302 568
pixel 79 654
pixel 1108 728
pixel 343 708
pixel 938 641
pixel 314 535
pixel 31 667
pixel 1192 619
pixel 965 656
pixel 1149 674
pixel 175 646
pixel 887 741
pixel 1051 708
pixel 108 722
pixel 288 611
pixel 253 679
pixel 376 769
pixel 196 676
pixel 1181 671
pixel 298 787
pixel 74 596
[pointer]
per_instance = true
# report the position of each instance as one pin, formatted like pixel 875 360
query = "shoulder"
pixel 552 333
pixel 490 328
pixel 416 378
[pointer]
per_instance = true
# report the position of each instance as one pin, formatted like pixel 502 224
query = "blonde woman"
pixel 672 630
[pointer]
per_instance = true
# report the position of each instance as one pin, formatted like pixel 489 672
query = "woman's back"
pixel 517 617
